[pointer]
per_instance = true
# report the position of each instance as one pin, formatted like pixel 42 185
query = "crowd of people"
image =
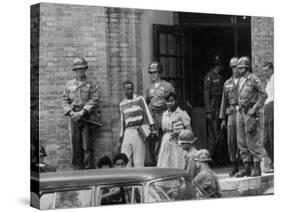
pixel 169 140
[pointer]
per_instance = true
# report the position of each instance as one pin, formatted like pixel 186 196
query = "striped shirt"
pixel 134 112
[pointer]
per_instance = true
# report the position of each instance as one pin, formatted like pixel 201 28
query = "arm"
pixel 207 94
pixel 262 95
pixel 224 103
pixel 93 99
pixel 66 102
pixel 122 123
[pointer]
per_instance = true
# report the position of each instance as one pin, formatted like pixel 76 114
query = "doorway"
pixel 186 51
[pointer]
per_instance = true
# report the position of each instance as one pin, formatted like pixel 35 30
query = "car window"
pixel 172 189
pixel 73 199
pixel 129 194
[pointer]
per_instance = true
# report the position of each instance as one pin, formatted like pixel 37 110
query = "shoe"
pixel 234 170
pixel 256 171
pixel 246 171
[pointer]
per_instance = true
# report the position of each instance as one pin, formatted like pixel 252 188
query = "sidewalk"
pixel 246 186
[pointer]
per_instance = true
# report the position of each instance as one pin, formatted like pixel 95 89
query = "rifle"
pixel 100 124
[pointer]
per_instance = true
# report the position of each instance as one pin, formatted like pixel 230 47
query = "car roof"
pixel 79 178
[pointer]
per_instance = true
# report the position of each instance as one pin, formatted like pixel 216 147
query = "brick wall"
pixel 34 76
pixel 109 39
pixel 262 29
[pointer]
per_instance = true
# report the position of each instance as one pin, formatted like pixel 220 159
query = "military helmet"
pixel 186 137
pixel 203 155
pixel 244 62
pixel 42 151
pixel 155 67
pixel 79 63
pixel 233 62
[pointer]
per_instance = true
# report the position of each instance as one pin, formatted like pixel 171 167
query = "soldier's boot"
pixel 234 170
pixel 256 171
pixel 246 171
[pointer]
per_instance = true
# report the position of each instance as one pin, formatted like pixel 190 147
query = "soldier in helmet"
pixel 213 86
pixel 80 102
pixel 206 178
pixel 251 96
pixel 228 113
pixel 186 140
pixel 155 98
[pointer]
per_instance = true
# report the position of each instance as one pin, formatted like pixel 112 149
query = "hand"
pixel 152 128
pixel 223 124
pixel 77 116
pixel 174 135
pixel 119 145
pixel 251 112
pixel 209 115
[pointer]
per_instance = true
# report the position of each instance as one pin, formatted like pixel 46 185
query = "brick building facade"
pixel 117 43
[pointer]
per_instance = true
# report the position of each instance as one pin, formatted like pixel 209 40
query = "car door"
pixel 119 194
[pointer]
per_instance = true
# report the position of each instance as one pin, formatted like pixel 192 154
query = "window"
pixel 109 195
pixel 173 189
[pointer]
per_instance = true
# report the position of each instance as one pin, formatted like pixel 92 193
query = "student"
pixel 104 163
pixel 120 161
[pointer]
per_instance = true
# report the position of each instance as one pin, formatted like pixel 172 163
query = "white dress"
pixel 171 155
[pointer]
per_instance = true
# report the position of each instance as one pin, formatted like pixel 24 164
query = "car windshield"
pixel 172 189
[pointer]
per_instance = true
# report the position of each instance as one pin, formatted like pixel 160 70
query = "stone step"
pixel 235 187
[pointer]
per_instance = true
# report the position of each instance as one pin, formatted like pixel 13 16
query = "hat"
pixel 233 62
pixel 203 155
pixel 186 137
pixel 155 67
pixel 79 63
pixel 244 62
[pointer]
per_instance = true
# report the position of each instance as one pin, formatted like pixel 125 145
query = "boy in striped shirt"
pixel 133 113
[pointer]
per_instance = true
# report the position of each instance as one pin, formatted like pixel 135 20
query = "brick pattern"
pixel 34 73
pixel 109 39
pixel 262 29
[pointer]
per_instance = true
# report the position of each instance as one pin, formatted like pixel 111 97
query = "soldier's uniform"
pixel 213 86
pixel 155 98
pixel 77 96
pixel 251 96
pixel 206 178
pixel 228 110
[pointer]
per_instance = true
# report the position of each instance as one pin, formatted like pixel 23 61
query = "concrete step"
pixel 235 187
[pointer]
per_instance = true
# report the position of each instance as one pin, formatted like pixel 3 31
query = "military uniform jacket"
pixel 80 94
pixel 213 85
pixel 229 98
pixel 251 92
pixel 155 97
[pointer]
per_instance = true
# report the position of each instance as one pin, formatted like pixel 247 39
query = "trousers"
pixel 133 147
pixel 247 135
pixel 268 130
pixel 232 136
pixel 213 128
pixel 82 151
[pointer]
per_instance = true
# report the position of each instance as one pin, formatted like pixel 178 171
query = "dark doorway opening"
pixel 200 36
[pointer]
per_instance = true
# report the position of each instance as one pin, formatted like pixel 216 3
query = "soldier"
pixel 133 112
pixel 251 96
pixel 213 86
pixel 186 140
pixel 155 98
pixel 80 103
pixel 206 178
pixel 228 113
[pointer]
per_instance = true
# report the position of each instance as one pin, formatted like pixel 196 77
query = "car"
pixel 85 188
